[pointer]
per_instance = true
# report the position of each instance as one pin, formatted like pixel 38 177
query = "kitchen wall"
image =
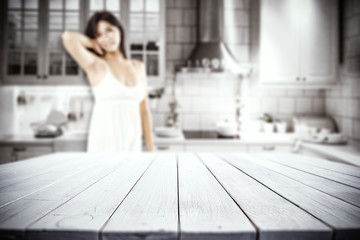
pixel 343 101
pixel 21 106
pixel 205 98
pixel 241 32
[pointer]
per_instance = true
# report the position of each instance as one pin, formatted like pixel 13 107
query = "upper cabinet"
pixel 32 50
pixel 298 42
pixel 34 53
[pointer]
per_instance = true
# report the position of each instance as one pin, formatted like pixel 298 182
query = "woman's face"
pixel 107 36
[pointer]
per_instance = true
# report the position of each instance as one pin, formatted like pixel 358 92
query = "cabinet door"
pixel 318 41
pixel 59 66
pixel 215 148
pixel 6 154
pixel 31 151
pixel 279 41
pixel 23 42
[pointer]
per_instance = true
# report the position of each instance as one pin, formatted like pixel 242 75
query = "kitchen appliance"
pixel 211 51
pixel 226 128
pixel 318 129
pixel 52 127
pixel 168 132
pixel 193 134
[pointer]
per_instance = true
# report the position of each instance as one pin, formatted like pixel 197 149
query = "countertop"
pixel 178 196
pixel 343 153
pixel 81 136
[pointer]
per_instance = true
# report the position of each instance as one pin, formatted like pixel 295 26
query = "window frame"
pixel 43 54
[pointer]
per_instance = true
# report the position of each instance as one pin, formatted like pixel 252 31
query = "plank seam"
pixel 47 186
pixel 252 223
pixel 305 183
pixel 328 225
pixel 312 173
pixel 106 222
pixel 27 228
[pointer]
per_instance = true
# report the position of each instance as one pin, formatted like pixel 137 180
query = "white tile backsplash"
pixel 303 105
pixel 269 105
pixel 191 121
pixel 208 86
pixel 318 105
pixel 286 105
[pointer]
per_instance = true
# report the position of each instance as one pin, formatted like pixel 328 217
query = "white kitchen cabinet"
pixel 298 42
pixel 6 154
pixel 70 146
pixel 31 151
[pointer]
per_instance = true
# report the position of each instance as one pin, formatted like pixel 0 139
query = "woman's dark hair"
pixel 90 29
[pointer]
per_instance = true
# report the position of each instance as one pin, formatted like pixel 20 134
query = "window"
pixel 63 14
pixel 145 37
pixel 32 50
pixel 22 38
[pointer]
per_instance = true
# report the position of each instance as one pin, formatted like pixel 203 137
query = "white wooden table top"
pixel 179 196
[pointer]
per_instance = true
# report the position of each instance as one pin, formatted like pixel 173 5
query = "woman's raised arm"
pixel 77 45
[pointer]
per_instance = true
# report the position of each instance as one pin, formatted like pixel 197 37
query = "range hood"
pixel 211 51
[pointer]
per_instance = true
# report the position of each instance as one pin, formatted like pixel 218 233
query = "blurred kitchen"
pixel 224 75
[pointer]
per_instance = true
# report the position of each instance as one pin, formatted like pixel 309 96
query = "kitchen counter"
pixel 245 139
pixel 76 141
pixel 25 139
pixel 178 196
pixel 343 153
pixel 81 136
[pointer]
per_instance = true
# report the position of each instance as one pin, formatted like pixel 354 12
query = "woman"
pixel 119 86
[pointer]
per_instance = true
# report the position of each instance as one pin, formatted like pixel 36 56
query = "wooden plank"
pixel 17 216
pixel 18 171
pixel 88 211
pixel 335 189
pixel 150 211
pixel 274 216
pixel 26 184
pixel 342 216
pixel 206 210
pixel 325 164
pixel 335 176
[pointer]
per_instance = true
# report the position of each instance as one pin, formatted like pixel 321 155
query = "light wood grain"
pixel 275 217
pixel 31 181
pixel 177 196
pixel 93 207
pixel 335 189
pixel 150 209
pixel 206 210
pixel 322 163
pixel 13 173
pixel 342 216
pixel 288 160
pixel 17 216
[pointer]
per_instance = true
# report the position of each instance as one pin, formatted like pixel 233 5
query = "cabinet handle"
pixel 163 147
pixel 269 148
pixel 38 76
pixel 19 149
pixel 298 79
pixel 45 76
pixel 304 79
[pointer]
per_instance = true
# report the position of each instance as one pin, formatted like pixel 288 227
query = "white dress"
pixel 116 122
